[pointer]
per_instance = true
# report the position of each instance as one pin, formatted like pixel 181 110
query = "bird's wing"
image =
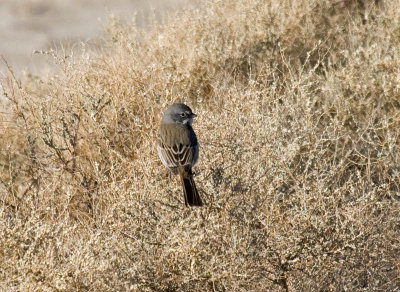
pixel 177 146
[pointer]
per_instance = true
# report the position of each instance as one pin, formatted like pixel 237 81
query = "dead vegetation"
pixel 299 124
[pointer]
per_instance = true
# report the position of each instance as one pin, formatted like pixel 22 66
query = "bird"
pixel 178 149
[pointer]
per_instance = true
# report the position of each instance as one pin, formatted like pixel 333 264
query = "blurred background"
pixel 29 25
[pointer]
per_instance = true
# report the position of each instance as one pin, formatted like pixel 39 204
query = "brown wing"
pixel 177 145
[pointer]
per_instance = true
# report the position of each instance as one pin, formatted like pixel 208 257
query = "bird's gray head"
pixel 178 113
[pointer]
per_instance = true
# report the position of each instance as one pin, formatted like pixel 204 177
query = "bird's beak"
pixel 193 115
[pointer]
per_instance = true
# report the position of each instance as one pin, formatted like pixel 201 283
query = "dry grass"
pixel 299 127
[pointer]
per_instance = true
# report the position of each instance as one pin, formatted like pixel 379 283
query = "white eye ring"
pixel 183 115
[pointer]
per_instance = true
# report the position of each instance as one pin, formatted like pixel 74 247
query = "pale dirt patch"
pixel 30 25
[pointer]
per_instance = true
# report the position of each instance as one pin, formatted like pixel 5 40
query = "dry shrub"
pixel 299 122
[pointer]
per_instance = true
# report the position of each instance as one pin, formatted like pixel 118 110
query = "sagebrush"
pixel 299 129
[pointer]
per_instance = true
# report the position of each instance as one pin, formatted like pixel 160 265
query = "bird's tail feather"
pixel 192 197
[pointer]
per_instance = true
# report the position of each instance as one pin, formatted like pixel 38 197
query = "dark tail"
pixel 190 193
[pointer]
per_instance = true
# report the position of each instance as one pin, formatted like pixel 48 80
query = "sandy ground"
pixel 29 25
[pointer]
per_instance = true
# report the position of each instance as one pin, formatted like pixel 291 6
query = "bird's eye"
pixel 183 115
